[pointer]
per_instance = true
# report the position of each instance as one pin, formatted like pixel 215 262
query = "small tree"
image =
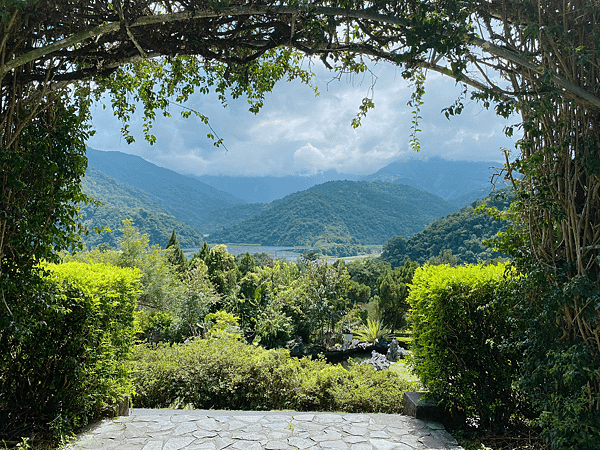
pixel 176 255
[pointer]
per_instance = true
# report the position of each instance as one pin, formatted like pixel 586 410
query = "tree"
pixel 222 271
pixel 245 263
pixel 392 304
pixel 176 257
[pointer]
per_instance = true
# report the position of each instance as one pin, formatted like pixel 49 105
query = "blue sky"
pixel 298 133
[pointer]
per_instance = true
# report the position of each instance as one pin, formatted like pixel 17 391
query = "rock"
pixel 395 352
pixel 377 360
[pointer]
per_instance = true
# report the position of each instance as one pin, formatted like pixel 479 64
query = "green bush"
pixel 222 372
pixel 83 317
pixel 461 323
pixel 560 374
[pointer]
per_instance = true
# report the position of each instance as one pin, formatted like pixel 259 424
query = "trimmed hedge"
pixel 461 326
pixel 221 372
pixel 68 357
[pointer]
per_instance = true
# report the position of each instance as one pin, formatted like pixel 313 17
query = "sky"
pixel 297 132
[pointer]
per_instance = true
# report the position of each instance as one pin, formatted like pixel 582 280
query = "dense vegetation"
pixel 463 233
pixel 461 325
pixel 222 372
pixel 339 212
pixel 84 316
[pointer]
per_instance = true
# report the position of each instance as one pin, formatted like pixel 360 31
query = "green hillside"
pixel 121 201
pixel 344 212
pixel 221 218
pixel 461 232
pixel 157 226
pixel 187 199
pixel 121 195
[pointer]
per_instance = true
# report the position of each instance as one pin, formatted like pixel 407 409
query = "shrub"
pixel 461 323
pixel 222 372
pixel 69 360
pixel 560 376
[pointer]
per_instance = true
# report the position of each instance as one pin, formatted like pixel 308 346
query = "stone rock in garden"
pixel 395 352
pixel 377 360
pixel 354 344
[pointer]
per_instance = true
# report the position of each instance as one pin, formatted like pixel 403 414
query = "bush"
pixel 222 372
pixel 461 323
pixel 68 360
pixel 560 376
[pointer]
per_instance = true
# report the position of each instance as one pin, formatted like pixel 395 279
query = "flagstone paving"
pixel 161 429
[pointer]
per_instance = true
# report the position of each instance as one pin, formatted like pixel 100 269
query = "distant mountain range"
pixel 326 214
pixel 269 188
pixel 187 199
pixel 460 182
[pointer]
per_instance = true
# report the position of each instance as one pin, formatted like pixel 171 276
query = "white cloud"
pixel 298 132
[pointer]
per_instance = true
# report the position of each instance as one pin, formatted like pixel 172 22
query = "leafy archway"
pixel 536 58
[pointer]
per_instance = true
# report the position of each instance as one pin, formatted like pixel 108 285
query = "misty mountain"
pixel 269 188
pixel 461 182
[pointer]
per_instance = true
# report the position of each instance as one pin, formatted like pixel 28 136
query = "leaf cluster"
pixel 461 320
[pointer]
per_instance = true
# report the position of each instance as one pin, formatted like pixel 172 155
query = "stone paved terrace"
pixel 155 429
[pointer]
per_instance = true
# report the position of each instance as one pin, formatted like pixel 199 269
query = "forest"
pixel 464 234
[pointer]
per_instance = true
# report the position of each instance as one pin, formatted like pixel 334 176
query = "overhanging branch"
pixel 295 11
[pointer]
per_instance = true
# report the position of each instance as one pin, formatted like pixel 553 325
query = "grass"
pixel 400 369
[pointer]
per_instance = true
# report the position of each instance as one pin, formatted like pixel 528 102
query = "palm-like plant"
pixel 373 331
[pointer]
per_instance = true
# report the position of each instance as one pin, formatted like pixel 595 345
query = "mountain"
pixel 269 188
pixel 157 226
pixel 185 198
pixel 121 201
pixel 459 181
pixel 343 212
pixel 462 232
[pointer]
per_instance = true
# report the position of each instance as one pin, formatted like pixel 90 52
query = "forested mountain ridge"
pixel 111 191
pixel 157 226
pixel 121 201
pixel 461 232
pixel 187 199
pixel 339 212
pixel 336 217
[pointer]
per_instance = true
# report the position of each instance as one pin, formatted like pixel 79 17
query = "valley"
pixel 339 218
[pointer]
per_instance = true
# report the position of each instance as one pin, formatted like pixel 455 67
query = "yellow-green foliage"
pixel 460 319
pixel 71 360
pixel 225 373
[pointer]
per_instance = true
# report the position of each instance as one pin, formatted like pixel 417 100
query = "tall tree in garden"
pixel 222 270
pixel 535 58
pixel 392 304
